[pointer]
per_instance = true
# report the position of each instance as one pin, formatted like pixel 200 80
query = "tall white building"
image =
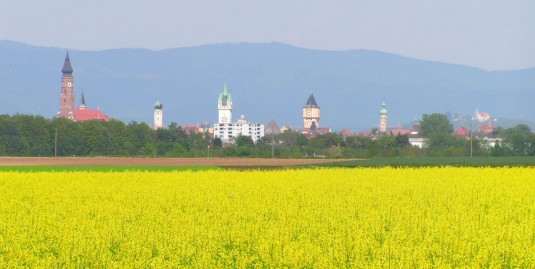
pixel 226 130
pixel 158 115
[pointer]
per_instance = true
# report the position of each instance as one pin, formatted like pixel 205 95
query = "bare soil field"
pixel 133 161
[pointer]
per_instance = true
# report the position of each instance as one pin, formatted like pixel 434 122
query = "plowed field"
pixel 119 161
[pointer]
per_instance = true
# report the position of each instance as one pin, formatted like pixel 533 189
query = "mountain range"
pixel 267 81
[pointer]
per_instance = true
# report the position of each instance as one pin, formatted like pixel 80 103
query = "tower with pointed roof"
pixel 158 115
pixel 66 107
pixel 82 105
pixel 382 120
pixel 311 113
pixel 224 106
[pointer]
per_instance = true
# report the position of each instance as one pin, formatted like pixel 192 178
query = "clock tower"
pixel 66 107
pixel 224 106
pixel 311 113
pixel 382 120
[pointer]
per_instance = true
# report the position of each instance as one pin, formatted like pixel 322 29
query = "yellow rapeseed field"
pixel 317 218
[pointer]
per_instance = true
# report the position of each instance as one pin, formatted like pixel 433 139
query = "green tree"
pixel 244 141
pixel 520 140
pixel 435 124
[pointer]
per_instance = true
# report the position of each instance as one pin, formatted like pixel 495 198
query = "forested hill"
pixel 268 81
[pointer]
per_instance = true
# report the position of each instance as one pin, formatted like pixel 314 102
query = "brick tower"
pixel 66 107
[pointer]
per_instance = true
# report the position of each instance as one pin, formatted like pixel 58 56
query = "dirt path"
pixel 120 161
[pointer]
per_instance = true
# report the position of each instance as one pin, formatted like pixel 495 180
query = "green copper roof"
pixel 225 96
pixel 383 108
pixel 158 105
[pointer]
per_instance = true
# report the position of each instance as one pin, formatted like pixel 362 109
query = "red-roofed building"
pixel 311 132
pixel 89 114
pixel 346 132
pixel 462 131
pixel 487 129
pixel 66 108
pixel 190 128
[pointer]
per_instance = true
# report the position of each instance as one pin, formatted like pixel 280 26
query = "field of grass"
pixel 435 161
pixel 317 218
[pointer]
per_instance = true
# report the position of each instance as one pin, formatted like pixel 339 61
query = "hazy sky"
pixel 489 34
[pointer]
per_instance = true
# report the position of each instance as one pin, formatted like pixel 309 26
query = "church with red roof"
pixel 67 108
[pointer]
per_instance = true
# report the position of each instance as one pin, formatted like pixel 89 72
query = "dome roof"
pixel 383 108
pixel 158 105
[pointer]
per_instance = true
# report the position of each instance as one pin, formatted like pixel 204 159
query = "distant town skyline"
pixel 492 35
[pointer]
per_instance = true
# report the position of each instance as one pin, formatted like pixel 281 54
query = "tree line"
pixel 28 135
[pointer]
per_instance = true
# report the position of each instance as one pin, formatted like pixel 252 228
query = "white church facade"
pixel 225 129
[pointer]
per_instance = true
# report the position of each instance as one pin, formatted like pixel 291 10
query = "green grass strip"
pixel 434 162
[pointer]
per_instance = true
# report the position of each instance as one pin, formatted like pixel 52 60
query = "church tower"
pixel 382 121
pixel 224 106
pixel 82 106
pixel 66 107
pixel 158 115
pixel 311 113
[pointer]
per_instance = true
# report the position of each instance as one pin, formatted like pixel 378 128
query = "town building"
pixel 67 107
pixel 382 120
pixel 311 113
pixel 226 130
pixel 272 128
pixel 311 118
pixel 158 116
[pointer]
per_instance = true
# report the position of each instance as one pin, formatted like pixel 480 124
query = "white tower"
pixel 382 121
pixel 158 116
pixel 224 105
pixel 311 113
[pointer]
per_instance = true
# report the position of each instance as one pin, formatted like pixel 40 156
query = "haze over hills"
pixel 267 81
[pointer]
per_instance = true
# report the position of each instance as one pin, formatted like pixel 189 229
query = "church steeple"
pixel 66 99
pixel 383 118
pixel 82 105
pixel 224 105
pixel 67 67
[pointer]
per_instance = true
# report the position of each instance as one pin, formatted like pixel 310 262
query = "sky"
pixel 488 34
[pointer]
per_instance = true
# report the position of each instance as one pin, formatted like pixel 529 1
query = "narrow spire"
pixel 67 67
pixel 83 98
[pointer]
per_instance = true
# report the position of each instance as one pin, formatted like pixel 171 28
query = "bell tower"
pixel 158 116
pixel 311 113
pixel 224 106
pixel 66 106
pixel 382 120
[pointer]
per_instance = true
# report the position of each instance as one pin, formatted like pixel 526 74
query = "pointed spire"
pixel 82 105
pixel 311 102
pixel 83 98
pixel 67 67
